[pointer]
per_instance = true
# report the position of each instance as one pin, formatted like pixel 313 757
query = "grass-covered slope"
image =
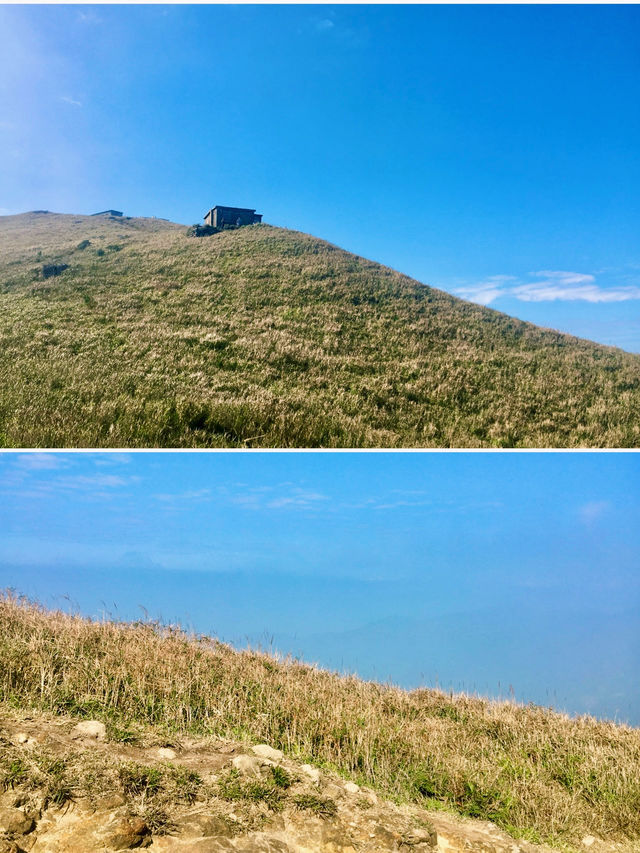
pixel 536 773
pixel 268 337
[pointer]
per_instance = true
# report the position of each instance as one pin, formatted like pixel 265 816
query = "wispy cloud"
pixel 94 481
pixel 89 18
pixel 187 497
pixel 280 496
pixel 46 475
pixel 323 25
pixel 547 286
pixel 108 459
pixel 41 461
pixel 593 510
pixel 68 100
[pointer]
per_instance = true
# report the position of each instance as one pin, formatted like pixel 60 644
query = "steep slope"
pixel 268 337
pixel 177 718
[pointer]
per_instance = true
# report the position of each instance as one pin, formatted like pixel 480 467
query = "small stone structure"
pixel 49 270
pixel 108 212
pixel 219 216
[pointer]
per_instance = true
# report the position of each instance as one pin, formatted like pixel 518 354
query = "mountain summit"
pixel 127 332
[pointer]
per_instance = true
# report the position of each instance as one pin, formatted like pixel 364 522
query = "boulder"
pixel 351 788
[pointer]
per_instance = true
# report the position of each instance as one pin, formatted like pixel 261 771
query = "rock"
pixel 109 801
pixel 127 833
pixel 250 765
pixel 15 821
pixel 259 843
pixel 351 788
pixel 588 841
pixel 217 844
pixel 90 729
pixel 8 846
pixel 263 750
pixel 387 839
pixel 312 773
pixel 166 753
pixel 21 737
pixel 201 825
pixel 421 838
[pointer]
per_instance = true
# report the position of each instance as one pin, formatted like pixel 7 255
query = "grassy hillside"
pixel 537 773
pixel 268 337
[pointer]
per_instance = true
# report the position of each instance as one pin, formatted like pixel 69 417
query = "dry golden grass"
pixel 263 337
pixel 535 772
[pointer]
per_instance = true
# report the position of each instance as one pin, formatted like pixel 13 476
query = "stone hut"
pixel 220 216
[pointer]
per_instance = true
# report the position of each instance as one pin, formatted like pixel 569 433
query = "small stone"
pixel 312 773
pixel 15 821
pixel 263 750
pixel 90 729
pixel 588 841
pixel 351 788
pixel 21 737
pixel 167 753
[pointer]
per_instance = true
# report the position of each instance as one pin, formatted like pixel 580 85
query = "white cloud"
pixel 71 101
pixel 547 286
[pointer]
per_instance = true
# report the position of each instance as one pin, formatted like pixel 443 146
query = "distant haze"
pixel 502 574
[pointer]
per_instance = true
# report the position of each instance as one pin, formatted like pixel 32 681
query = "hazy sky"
pixel 476 571
pixel 488 150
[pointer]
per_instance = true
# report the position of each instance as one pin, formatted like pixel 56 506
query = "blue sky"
pixel 474 571
pixel 487 150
